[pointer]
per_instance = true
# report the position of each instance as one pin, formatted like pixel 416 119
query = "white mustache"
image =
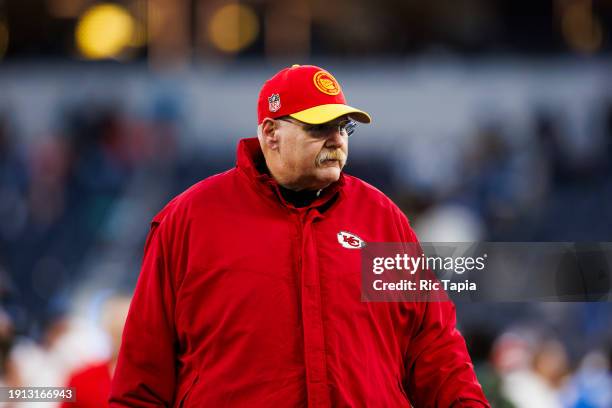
pixel 336 154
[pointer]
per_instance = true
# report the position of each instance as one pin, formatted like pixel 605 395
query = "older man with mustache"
pixel 249 294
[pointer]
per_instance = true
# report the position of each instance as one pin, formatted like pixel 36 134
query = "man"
pixel 249 293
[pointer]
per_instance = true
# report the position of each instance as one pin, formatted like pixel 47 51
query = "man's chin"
pixel 329 175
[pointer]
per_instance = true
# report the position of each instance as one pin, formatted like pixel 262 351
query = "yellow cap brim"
pixel 325 113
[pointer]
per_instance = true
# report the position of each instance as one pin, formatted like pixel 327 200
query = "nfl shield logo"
pixel 274 102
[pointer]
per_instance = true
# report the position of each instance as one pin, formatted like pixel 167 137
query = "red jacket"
pixel 245 300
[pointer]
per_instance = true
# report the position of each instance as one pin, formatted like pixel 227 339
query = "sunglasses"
pixel 324 129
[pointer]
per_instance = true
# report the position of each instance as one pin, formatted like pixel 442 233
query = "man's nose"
pixel 335 138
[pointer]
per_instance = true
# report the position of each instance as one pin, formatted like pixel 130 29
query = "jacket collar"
pixel 250 161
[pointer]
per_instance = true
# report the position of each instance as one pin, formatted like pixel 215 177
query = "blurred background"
pixel 492 121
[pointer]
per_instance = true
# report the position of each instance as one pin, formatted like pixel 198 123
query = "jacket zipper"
pixel 300 243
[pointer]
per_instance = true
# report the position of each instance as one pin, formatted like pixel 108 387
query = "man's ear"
pixel 269 133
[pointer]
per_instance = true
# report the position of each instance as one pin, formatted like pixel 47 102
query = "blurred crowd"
pixel 537 187
pixel 61 192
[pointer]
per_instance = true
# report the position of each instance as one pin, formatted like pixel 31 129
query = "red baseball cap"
pixel 307 93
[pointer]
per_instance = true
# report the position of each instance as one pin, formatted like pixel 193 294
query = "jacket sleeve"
pixel 438 367
pixel 146 369
pixel 439 371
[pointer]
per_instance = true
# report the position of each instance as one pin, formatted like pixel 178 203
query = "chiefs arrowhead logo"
pixel 350 241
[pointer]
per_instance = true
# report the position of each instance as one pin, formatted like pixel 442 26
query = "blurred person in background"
pixel 249 292
pixel 533 369
pixel 65 344
pixel 92 382
pixel 591 386
pixel 9 377
pixel 480 344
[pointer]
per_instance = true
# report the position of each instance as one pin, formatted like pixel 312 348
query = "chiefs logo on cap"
pixel 326 83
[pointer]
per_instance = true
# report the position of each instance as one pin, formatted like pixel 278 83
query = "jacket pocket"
pixel 182 398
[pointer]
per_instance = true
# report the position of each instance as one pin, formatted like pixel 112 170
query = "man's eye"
pixel 324 129
pixel 320 128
